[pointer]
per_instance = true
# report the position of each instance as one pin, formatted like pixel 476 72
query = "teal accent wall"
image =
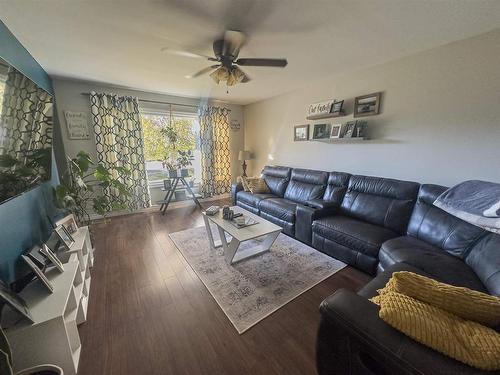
pixel 23 220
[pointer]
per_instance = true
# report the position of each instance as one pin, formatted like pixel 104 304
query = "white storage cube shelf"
pixel 53 338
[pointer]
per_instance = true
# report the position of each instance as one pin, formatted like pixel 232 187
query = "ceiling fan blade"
pixel 277 63
pixel 203 71
pixel 233 41
pixel 187 54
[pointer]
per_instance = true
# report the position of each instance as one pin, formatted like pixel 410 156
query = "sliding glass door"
pixel 171 147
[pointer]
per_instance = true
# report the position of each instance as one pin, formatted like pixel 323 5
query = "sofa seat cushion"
pixel 280 208
pixel 252 199
pixel 354 234
pixel 433 261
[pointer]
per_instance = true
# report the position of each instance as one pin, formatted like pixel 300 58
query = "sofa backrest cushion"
pixel 433 225
pixel 276 178
pixel 380 201
pixel 336 186
pixel 306 184
pixel 484 259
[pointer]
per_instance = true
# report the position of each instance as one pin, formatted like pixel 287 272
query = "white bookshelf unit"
pixel 53 337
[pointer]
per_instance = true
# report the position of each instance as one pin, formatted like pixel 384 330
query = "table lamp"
pixel 244 155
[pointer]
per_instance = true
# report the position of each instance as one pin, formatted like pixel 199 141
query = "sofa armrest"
pixel 353 339
pixel 306 213
pixel 235 188
pixel 321 204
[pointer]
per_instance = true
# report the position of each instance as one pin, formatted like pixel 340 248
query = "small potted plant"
pixel 184 160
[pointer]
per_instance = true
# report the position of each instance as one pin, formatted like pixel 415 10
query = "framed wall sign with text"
pixel 77 125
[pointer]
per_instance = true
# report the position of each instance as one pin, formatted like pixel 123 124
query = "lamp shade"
pixel 244 155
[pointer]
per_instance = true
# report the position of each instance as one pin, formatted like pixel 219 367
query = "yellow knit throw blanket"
pixel 452 320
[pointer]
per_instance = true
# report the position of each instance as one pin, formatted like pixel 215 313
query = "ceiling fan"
pixel 227 67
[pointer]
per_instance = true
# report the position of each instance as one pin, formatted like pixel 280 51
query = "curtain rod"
pixel 160 102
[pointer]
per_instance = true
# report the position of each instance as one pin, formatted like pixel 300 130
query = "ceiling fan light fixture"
pixel 220 74
pixel 236 76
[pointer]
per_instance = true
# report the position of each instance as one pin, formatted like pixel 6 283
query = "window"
pixel 165 135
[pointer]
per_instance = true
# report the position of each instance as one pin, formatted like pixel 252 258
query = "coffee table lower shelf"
pixel 231 248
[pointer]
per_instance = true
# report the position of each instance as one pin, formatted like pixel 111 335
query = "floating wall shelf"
pixel 326 115
pixel 341 140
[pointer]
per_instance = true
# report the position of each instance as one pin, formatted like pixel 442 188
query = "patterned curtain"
pixel 215 155
pixel 26 117
pixel 119 143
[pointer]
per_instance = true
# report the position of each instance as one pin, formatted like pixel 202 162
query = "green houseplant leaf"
pixel 84 190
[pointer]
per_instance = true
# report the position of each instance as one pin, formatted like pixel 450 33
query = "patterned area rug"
pixel 256 287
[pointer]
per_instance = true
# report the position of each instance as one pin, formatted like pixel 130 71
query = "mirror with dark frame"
pixel 26 119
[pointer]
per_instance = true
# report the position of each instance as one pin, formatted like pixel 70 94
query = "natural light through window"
pixel 171 145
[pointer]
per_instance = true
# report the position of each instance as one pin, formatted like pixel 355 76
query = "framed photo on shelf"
pixel 39 273
pixel 350 129
pixel 14 301
pixel 64 236
pixel 336 131
pixel 367 105
pixel 337 107
pixel 321 131
pixel 69 223
pixel 37 257
pixel 361 126
pixel 301 133
pixel 52 257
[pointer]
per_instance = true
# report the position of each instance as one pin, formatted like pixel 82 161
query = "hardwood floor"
pixel 150 314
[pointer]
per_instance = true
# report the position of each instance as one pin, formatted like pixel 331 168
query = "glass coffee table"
pixel 263 228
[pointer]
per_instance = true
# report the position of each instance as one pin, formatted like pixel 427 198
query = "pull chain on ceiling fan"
pixel 227 68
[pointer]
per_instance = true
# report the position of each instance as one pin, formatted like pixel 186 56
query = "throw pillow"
pixel 257 185
pixel 465 341
pixel 463 302
pixel 243 181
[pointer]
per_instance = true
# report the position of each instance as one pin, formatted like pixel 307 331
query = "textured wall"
pixel 440 120
pixel 23 220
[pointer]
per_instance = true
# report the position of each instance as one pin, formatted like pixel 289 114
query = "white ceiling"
pixel 119 42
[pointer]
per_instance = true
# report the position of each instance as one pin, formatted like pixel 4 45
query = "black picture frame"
pixel 349 130
pixel 321 131
pixel 15 302
pixel 337 107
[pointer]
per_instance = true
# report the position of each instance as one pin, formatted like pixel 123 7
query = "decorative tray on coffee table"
pixel 248 221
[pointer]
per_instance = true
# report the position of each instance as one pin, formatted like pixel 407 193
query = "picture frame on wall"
pixel 63 235
pixel 69 223
pixel 321 131
pixel 301 133
pixel 14 301
pixel 38 272
pixel 367 105
pixel 320 108
pixel 336 131
pixel 77 125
